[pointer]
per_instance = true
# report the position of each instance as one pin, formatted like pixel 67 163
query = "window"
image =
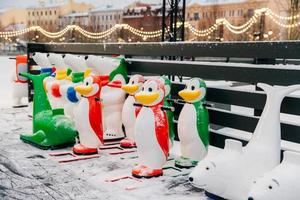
pixel 32 13
pixel 54 12
pixel 29 23
pixel 196 16
pixel 50 12
pixel 41 13
pixel 45 12
pixel 102 18
pixel 110 17
pixel 28 13
pixel 106 17
pixel 250 12
pixel 33 23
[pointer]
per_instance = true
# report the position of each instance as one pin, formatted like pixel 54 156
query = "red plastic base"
pixel 79 149
pixel 141 171
pixel 126 143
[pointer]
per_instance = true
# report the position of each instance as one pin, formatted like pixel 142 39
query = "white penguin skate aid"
pixel 129 111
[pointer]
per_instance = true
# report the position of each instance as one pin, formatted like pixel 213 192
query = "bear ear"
pixel 291 157
pixel 233 145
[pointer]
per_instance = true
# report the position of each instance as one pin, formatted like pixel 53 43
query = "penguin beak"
pixel 130 89
pixel 60 74
pixel 146 98
pixel 189 95
pixel 84 90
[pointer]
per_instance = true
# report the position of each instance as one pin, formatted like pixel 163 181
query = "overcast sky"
pixel 26 3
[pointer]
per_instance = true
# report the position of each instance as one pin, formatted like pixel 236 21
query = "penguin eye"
pixel 193 87
pixel 270 187
pixel 143 88
pixel 150 89
pixel 132 82
pixel 87 83
pixel 207 168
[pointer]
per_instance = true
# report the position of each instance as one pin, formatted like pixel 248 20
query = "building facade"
pixel 8 17
pixel 202 14
pixel 79 19
pixel 145 17
pixel 105 17
pixel 47 15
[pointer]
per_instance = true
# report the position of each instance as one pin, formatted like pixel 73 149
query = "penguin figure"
pixel 151 130
pixel 129 111
pixel 193 125
pixel 88 116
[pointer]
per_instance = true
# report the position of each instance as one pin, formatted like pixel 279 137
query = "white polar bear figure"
pixel 259 156
pixel 79 70
pixel 203 176
pixel 19 83
pixel 113 97
pixel 282 183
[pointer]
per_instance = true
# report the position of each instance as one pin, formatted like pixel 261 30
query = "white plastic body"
pixel 19 91
pixel 87 136
pixel 191 145
pixel 76 63
pixel 149 151
pixel 113 98
pixel 68 105
pixel 261 154
pixel 204 175
pixel 283 182
pixel 113 101
pixel 129 117
pixel 57 61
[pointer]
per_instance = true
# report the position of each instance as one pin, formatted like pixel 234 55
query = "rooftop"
pixel 213 2
pixel 85 14
pixel 107 8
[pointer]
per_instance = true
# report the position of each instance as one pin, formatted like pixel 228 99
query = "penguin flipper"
pixel 203 125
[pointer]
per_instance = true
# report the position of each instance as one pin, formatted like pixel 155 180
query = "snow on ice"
pixel 30 173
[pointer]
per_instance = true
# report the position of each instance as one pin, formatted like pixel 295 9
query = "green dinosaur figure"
pixel 51 129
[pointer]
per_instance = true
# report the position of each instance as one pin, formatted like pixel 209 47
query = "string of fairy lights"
pixel 288 22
